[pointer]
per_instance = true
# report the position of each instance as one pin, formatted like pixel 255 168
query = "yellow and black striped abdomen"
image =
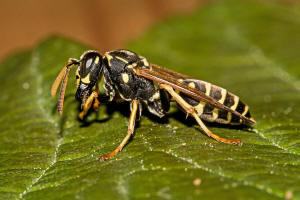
pixel 210 113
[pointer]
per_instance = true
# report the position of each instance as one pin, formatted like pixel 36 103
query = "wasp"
pixel 130 77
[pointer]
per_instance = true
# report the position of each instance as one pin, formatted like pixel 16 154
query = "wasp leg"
pixel 131 123
pixel 190 110
pixel 87 105
pixel 96 100
pixel 92 98
pixel 118 100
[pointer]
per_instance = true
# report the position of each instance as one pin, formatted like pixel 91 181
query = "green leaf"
pixel 250 48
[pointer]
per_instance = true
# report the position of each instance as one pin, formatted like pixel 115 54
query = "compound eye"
pixel 86 66
pixel 89 63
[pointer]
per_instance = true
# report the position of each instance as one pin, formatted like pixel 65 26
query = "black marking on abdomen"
pixel 229 100
pixel 200 85
pixel 240 107
pixel 223 117
pixel 235 120
pixel 210 113
pixel 208 109
pixel 215 92
pixel 248 115
pixel 189 100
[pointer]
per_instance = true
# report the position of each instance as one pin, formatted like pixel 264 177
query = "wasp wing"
pixel 174 79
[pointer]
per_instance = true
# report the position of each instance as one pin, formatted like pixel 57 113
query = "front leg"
pixel 96 100
pixel 87 105
pixel 94 97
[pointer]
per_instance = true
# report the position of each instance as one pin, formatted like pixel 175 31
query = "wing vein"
pixel 169 77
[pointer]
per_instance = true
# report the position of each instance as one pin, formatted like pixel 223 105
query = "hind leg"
pixel 190 110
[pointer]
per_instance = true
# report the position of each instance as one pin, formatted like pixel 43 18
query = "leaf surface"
pixel 249 48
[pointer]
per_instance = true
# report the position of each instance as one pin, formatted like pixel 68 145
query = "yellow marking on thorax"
pixel 192 85
pixel 132 66
pixel 122 59
pixel 86 79
pixel 96 60
pixel 125 77
pixel 180 80
pixel 146 63
pixel 199 108
pixel 245 110
pixel 223 96
pixel 235 102
pixel 207 88
pixel 156 96
pixel 109 57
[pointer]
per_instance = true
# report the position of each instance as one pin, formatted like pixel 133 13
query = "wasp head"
pixel 87 74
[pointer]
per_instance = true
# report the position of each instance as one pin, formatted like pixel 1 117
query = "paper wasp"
pixel 130 77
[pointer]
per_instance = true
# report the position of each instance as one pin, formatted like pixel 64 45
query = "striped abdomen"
pixel 212 114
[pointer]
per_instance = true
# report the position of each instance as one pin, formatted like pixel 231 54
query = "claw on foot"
pixel 236 142
pixel 104 158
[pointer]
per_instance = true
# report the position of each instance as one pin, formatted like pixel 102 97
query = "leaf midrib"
pixel 34 64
